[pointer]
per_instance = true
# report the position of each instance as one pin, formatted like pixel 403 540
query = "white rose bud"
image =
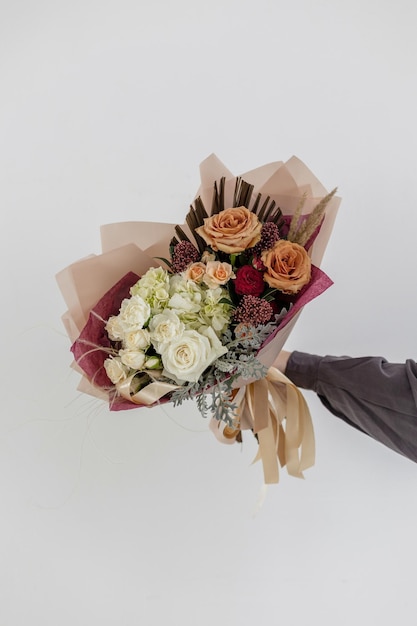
pixel 137 339
pixel 208 256
pixel 115 370
pixel 134 359
pixel 153 363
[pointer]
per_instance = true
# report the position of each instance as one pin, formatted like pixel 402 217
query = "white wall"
pixel 107 109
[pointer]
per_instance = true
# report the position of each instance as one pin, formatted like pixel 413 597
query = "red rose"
pixel 249 282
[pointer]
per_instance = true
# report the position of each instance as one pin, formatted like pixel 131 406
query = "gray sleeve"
pixel 370 394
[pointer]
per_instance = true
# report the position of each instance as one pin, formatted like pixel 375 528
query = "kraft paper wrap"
pixel 132 247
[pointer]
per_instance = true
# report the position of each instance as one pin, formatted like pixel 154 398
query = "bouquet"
pixel 201 310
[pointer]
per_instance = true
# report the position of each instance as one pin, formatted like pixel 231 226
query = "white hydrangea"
pixel 185 295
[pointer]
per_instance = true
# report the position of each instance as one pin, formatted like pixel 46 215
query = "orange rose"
pixel 217 274
pixel 288 266
pixel 232 230
pixel 195 272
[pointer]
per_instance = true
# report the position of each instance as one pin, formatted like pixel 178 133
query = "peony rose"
pixel 195 272
pixel 232 230
pixel 165 327
pixel 115 370
pixel 288 266
pixel 186 357
pixel 114 328
pixel 217 273
pixel 249 282
pixel 134 313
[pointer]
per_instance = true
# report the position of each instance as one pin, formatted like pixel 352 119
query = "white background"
pixel 107 109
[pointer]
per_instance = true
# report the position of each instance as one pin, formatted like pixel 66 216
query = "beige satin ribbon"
pixel 149 394
pixel 266 407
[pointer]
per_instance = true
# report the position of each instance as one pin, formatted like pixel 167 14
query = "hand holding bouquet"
pixel 207 315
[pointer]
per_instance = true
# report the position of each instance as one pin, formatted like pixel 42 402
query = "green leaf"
pixel 226 301
pixel 168 263
pixel 269 294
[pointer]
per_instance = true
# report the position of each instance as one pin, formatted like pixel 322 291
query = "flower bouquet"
pixel 201 310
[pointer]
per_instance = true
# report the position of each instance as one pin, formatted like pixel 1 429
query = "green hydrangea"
pixel 153 287
pixel 215 313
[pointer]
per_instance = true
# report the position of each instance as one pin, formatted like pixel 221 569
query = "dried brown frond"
pixel 277 217
pixel 217 204
pixel 200 210
pixel 243 193
pixel 236 191
pixel 181 236
pixel 256 203
pixel 269 211
pixel 263 209
pixel 296 218
pixel 195 218
pixel 315 218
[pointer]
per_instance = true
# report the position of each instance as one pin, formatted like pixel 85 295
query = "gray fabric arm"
pixel 368 393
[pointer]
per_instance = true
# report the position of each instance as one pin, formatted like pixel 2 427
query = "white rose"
pixel 114 328
pixel 115 370
pixel 137 339
pixel 134 359
pixel 164 327
pixel 134 313
pixel 185 358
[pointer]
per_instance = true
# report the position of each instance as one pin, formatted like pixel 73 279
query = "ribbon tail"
pixel 275 409
pixel 282 423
